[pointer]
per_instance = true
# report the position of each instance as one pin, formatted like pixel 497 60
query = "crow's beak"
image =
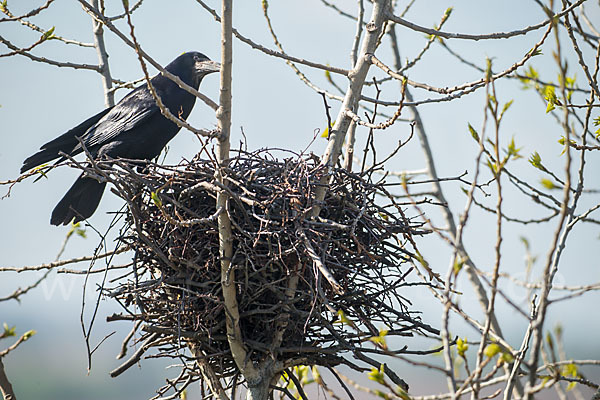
pixel 208 67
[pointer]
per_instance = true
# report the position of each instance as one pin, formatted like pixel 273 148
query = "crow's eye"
pixel 196 58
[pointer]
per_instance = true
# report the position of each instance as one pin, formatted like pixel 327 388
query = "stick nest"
pixel 297 278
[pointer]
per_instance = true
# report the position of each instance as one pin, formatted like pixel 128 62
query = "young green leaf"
pixel 550 97
pixel 530 78
pixel 474 133
pixel 491 350
pixel 569 84
pixel 458 266
pixel 402 393
pixel 507 357
pixel 325 133
pixel 8 331
pixel 379 340
pixel 491 103
pixel 156 199
pixel 316 374
pixel 461 346
pixel 41 169
pixel 488 69
pixel 513 150
pixel 28 334
pixel 377 375
pixel 76 229
pixel 548 184
pixel 569 370
pixel 505 108
pixel 79 231
pixel 381 394
pixel 342 319
pixel 493 167
pixel 563 141
pixel 535 52
pixel 545 380
pixel 536 160
pixel 49 34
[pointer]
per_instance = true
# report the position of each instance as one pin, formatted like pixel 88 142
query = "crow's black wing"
pixel 66 143
pixel 132 110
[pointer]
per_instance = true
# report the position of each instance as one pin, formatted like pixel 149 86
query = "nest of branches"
pixel 303 285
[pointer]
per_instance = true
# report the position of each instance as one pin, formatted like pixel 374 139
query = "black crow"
pixel 134 128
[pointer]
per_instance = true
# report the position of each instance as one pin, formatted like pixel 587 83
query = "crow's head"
pixel 191 67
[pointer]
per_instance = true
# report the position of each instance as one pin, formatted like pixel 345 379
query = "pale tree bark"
pixel 232 314
pixel 109 94
pixel 258 377
pixel 356 78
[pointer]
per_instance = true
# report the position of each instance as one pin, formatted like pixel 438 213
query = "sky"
pixel 274 109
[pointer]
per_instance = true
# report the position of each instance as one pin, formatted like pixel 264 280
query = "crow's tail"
pixel 79 202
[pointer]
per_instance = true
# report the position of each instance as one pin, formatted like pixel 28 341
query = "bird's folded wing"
pixel 132 111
